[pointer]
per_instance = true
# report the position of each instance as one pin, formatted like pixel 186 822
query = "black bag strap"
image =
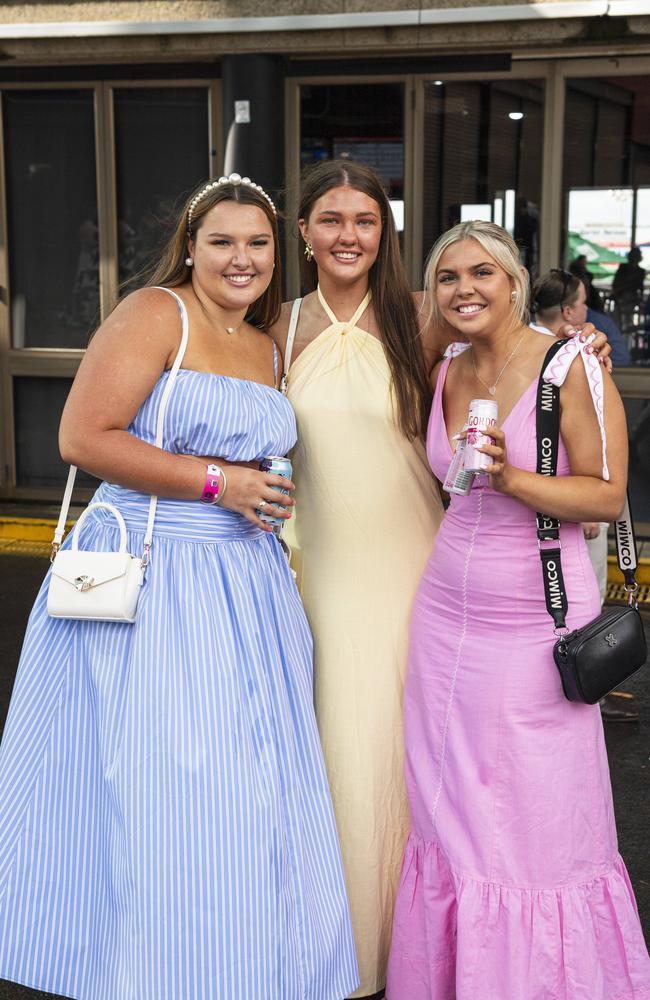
pixel 548 528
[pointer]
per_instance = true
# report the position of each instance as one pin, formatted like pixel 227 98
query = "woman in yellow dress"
pixel 358 363
pixel 369 510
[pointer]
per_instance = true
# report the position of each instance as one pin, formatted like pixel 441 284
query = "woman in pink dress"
pixel 512 887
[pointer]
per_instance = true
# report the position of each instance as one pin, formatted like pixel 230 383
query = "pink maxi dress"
pixel 512 887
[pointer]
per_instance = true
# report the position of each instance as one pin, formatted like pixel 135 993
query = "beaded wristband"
pixel 211 492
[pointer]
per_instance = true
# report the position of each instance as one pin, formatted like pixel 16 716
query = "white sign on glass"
pixel 642 232
pixel 468 213
pixel 603 216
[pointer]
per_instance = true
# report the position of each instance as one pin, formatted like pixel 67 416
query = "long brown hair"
pixel 392 298
pixel 172 270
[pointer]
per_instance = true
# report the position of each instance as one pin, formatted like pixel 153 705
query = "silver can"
pixel 277 465
pixel 483 414
pixel 458 480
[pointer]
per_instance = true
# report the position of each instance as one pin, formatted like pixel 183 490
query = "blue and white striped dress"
pixel 166 831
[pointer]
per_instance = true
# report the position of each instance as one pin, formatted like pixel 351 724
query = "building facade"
pixel 536 115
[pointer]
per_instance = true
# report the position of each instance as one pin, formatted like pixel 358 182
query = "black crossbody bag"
pixel 594 659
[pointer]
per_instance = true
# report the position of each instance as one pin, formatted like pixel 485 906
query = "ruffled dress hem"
pixel 457 937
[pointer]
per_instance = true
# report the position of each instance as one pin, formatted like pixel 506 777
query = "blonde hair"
pixel 499 245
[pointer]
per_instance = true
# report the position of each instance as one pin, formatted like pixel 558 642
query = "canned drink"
pixel 277 465
pixel 483 414
pixel 458 480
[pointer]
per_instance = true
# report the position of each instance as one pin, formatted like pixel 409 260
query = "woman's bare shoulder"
pixel 143 316
pixel 146 304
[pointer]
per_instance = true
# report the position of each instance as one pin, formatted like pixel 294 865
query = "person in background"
pixel 627 289
pixel 526 233
pixel 560 297
pixel 629 278
pixel 579 268
pixel 620 356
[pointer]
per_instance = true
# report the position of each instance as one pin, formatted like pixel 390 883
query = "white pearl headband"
pixel 236 180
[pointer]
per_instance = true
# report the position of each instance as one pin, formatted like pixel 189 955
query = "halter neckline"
pixel 363 305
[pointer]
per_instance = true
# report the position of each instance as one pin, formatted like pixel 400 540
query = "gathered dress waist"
pixel 184 520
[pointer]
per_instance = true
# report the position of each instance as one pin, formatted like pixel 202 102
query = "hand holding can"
pixel 458 480
pixel 277 465
pixel 483 415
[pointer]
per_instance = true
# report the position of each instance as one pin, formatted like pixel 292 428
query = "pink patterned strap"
pixel 557 370
pixel 456 348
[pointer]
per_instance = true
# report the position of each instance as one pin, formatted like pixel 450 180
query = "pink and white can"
pixel 457 479
pixel 483 414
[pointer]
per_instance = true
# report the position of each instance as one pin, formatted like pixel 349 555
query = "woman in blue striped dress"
pixel 166 830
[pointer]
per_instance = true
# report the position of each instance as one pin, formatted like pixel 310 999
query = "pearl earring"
pixel 309 251
pixel 513 295
pixel 189 261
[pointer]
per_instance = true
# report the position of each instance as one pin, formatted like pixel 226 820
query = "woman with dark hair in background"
pixel 560 297
pixel 166 830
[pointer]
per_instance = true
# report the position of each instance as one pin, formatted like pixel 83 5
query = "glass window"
pixel 38 404
pixel 483 147
pixel 607 199
pixel 52 217
pixel 162 153
pixel 361 121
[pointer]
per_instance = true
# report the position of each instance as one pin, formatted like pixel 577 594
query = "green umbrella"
pixel 595 254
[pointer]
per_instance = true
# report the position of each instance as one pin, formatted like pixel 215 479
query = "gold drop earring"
pixel 309 251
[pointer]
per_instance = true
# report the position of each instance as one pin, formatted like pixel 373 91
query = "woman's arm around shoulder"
pixel 435 337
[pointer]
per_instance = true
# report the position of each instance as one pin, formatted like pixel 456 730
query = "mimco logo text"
pixel 547 454
pixel 547 397
pixel 625 545
pixel 554 585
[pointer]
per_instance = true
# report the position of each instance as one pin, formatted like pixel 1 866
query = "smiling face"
pixel 344 228
pixel 233 251
pixel 473 292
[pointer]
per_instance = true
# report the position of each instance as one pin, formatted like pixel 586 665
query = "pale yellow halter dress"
pixel 367 513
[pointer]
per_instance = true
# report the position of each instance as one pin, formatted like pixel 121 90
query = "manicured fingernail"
pixel 583 339
pixel 455 437
pixel 590 338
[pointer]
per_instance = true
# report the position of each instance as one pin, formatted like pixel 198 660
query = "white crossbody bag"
pixel 105 586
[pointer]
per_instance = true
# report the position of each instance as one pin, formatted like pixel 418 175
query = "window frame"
pixel 63 362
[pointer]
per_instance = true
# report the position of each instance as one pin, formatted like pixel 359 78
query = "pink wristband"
pixel 211 493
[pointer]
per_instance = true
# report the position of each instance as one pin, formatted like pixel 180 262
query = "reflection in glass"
pixel 364 122
pixel 483 158
pixel 162 147
pixel 52 217
pixel 38 404
pixel 607 204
